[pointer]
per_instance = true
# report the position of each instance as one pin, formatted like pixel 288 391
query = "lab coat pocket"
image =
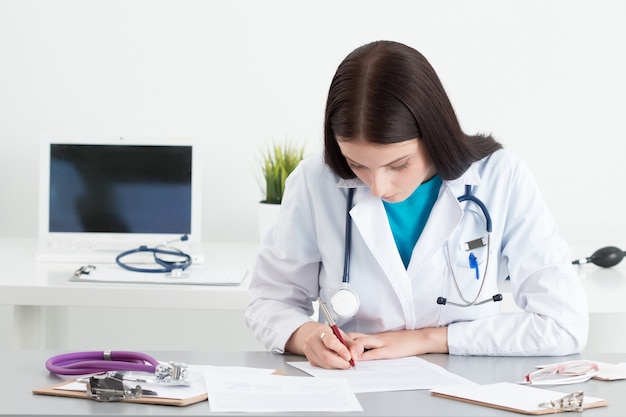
pixel 467 280
pixel 465 287
pixel 470 263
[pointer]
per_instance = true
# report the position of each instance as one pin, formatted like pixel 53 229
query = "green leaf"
pixel 278 161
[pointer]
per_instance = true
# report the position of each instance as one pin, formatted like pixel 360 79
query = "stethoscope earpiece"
pixel 605 257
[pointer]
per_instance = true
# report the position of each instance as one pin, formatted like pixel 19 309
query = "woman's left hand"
pixel 399 344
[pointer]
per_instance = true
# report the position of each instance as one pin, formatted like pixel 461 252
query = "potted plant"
pixel 278 160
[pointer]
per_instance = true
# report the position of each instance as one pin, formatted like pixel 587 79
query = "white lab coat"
pixel 303 257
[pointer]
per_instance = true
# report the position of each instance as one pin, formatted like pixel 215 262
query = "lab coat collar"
pixel 367 214
pixel 444 217
pixel 350 183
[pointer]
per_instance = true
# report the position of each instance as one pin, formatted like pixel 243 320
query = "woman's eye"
pixel 400 168
pixel 355 167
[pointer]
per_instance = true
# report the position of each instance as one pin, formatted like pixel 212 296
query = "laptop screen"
pixel 120 189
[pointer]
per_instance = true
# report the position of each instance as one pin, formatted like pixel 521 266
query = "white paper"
pixel 610 371
pixel 277 393
pixel 388 374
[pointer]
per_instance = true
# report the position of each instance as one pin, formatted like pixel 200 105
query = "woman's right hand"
pixel 321 347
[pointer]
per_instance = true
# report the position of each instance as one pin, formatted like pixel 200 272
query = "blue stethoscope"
pixel 345 302
pixel 168 259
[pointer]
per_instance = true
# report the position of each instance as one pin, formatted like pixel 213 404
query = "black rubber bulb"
pixel 607 257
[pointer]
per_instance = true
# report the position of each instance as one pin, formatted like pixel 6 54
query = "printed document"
pixel 230 392
pixel 388 374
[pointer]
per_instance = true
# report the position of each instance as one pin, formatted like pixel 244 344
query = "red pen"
pixel 333 325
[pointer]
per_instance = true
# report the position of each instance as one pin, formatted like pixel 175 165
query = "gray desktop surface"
pixel 24 370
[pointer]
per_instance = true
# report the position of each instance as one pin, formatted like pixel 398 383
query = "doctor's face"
pixel 392 171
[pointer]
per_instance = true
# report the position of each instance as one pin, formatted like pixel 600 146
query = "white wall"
pixel 544 76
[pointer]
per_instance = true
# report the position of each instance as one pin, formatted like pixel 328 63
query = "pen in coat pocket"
pixel 473 263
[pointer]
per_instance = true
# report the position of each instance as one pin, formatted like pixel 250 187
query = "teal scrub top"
pixel 408 218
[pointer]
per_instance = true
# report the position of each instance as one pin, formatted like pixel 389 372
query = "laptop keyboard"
pixel 104 252
pixel 91 246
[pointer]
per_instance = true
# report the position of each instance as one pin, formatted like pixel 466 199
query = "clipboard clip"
pixel 109 387
pixel 84 270
pixel 570 402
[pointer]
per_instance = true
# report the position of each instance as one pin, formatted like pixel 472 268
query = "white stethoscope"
pixel 345 302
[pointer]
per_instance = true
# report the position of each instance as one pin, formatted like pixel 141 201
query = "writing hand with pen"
pixel 324 345
pixel 328 347
pixel 333 326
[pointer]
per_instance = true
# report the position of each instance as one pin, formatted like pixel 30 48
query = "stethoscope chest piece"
pixel 344 302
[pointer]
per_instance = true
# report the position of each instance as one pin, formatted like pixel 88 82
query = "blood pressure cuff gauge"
pixel 605 257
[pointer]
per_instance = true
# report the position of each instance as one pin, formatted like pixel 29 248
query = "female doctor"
pixel 406 228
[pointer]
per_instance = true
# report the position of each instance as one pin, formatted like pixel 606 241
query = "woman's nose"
pixel 377 184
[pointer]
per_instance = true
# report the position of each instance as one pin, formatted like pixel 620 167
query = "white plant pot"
pixel 268 216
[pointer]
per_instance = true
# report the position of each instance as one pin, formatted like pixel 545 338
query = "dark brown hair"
pixel 387 92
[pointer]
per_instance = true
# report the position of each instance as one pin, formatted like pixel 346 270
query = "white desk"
pixel 28 372
pixel 29 283
pixel 29 288
pixel 605 288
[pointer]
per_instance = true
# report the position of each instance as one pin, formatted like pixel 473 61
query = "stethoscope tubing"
pixel 345 302
pixel 468 196
pixel 165 266
pixel 348 239
pixel 83 363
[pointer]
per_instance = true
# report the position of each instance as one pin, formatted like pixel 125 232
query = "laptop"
pixel 100 196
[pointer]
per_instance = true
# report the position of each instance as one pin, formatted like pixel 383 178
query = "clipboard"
pixel 179 402
pixel 510 397
pixel 194 275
